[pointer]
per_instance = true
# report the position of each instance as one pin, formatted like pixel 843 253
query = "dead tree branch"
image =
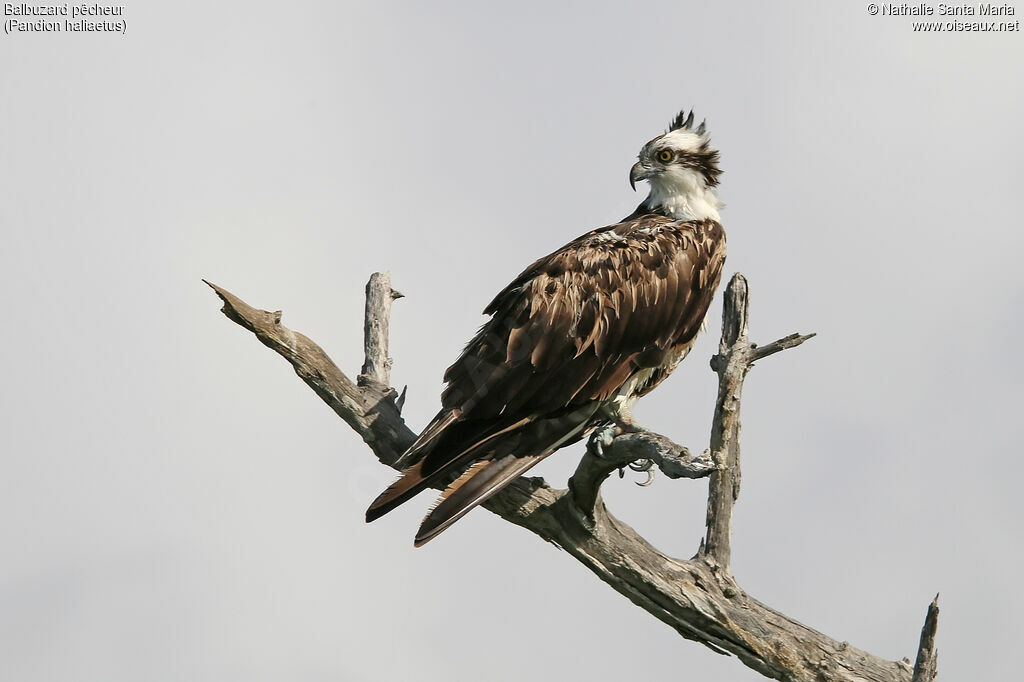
pixel 927 665
pixel 698 598
pixel 675 461
pixel 376 330
pixel 736 355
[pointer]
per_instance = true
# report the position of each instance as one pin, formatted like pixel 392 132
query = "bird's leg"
pixel 620 416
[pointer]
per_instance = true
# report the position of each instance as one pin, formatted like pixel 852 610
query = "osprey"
pixel 575 339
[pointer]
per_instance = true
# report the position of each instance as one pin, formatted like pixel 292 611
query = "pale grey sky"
pixel 177 505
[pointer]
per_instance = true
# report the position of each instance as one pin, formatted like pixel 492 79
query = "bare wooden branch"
pixel 736 355
pixel 673 460
pixel 369 410
pixel 927 666
pixel 791 341
pixel 731 366
pixel 698 598
pixel 376 330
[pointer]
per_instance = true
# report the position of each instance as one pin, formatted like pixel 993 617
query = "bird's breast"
pixel 644 379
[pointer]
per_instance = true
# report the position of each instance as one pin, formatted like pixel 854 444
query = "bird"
pixel 577 337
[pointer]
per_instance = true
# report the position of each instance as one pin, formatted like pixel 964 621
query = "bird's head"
pixel 680 162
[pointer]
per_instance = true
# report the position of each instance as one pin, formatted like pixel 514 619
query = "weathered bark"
pixel 736 355
pixel 673 460
pixel 698 597
pixel 927 665
pixel 376 330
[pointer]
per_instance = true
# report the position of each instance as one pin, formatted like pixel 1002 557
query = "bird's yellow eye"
pixel 664 156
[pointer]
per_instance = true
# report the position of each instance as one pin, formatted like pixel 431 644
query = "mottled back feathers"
pixel 575 324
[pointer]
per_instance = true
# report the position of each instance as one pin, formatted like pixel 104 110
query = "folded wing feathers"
pixel 502 465
pixel 419 477
pixel 480 482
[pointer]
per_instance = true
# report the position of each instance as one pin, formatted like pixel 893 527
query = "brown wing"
pixel 563 336
pixel 574 326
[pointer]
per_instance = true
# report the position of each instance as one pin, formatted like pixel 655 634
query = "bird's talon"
pixel 641 465
pixel 646 466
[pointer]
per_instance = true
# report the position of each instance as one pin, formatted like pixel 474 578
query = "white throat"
pixel 682 194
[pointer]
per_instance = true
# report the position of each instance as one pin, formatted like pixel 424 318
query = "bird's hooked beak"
pixel 638 172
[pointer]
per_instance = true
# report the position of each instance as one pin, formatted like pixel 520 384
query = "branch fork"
pixel 699 598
